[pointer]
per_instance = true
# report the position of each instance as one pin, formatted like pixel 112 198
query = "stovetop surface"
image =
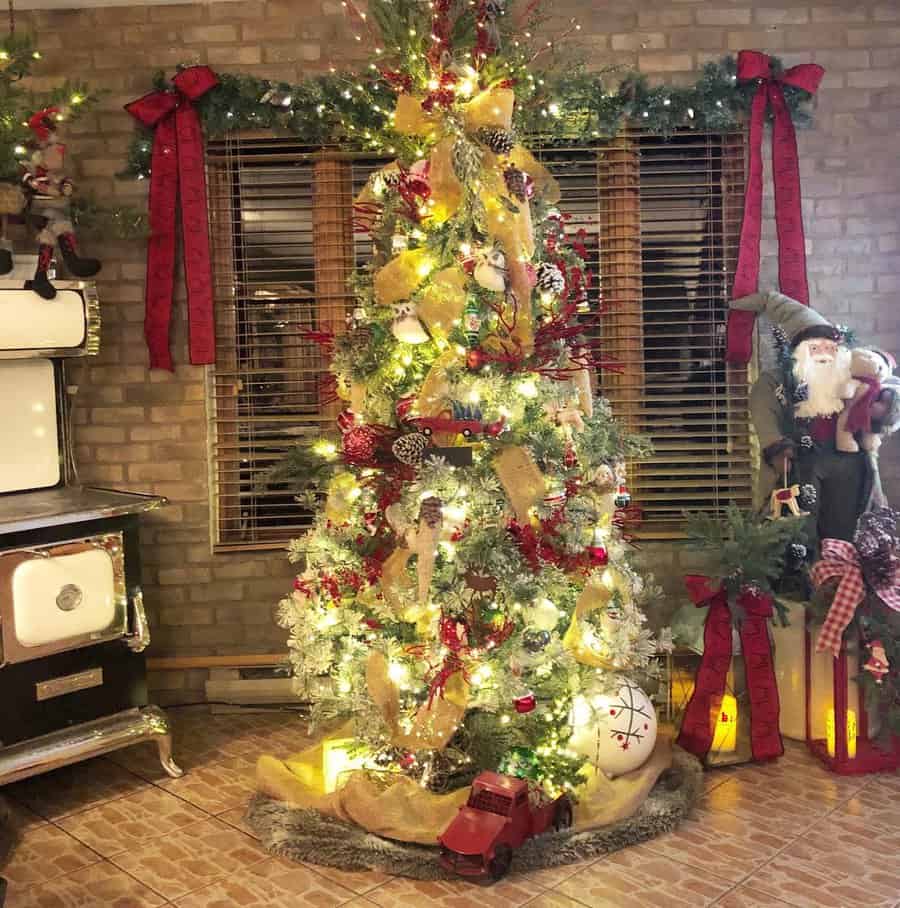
pixel 21 511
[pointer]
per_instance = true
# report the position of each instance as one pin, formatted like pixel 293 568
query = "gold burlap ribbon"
pixel 521 479
pixel 596 594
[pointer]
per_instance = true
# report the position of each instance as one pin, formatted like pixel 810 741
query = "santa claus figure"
pixel 796 408
pixel 49 191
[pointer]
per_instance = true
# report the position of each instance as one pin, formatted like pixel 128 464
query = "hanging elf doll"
pixel 49 192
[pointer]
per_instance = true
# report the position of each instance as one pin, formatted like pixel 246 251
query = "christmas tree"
pixel 466 599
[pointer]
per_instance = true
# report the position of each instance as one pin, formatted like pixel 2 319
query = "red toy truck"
pixel 501 813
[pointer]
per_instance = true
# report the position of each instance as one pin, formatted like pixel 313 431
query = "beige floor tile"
pixel 235 817
pixel 549 877
pixel 553 900
pixel 745 896
pixel 127 823
pixel 718 842
pixel 765 807
pixel 829 869
pixel 98 886
pixel 271 884
pixel 215 786
pixel 191 858
pixel 639 879
pixel 75 788
pixel 404 893
pixel 359 881
pixel 44 853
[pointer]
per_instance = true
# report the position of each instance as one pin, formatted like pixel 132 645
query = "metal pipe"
pixel 89 739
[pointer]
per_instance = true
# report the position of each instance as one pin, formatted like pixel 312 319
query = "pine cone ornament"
pixel 518 183
pixel 550 279
pixel 467 157
pixel 808 497
pixel 410 449
pixel 430 511
pixel 498 140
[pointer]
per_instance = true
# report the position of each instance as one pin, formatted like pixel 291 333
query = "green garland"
pixel 353 111
pixel 18 54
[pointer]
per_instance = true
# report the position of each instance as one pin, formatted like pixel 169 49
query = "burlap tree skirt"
pixel 314 837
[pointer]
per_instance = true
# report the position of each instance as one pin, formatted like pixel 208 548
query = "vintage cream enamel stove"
pixel 72 622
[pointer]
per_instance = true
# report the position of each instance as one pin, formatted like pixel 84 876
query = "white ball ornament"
pixel 542 616
pixel 616 732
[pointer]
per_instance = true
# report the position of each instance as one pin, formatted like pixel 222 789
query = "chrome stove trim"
pixel 89 739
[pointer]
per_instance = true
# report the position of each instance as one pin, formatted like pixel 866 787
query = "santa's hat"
pixel 43 123
pixel 799 322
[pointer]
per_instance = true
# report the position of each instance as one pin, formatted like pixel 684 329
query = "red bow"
pixel 697 727
pixel 177 167
pixel 754 66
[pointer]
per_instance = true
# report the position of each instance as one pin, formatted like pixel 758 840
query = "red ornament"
pixel 525 703
pixel 476 360
pixel 598 554
pixel 359 446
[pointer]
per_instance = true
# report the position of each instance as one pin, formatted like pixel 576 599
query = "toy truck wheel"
pixel 466 433
pixel 562 817
pixel 499 866
pixel 427 431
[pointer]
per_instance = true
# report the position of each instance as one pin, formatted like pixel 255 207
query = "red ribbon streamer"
pixel 177 169
pixel 755 66
pixel 697 727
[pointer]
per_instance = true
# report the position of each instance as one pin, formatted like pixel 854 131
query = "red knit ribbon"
pixel 697 727
pixel 754 66
pixel 177 170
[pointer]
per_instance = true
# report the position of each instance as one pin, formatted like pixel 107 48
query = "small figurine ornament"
pixel 877 664
pixel 50 191
pixel 786 497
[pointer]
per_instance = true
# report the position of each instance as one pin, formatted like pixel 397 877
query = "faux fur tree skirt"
pixel 307 835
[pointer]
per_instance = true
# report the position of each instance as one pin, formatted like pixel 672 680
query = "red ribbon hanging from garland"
pixel 177 169
pixel 698 727
pixel 754 66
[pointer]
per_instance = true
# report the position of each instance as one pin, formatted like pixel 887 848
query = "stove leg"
pixel 164 743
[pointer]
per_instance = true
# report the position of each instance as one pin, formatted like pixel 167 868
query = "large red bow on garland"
pixel 698 725
pixel 754 66
pixel 841 560
pixel 177 167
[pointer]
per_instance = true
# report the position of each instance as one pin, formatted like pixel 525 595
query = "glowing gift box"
pixel 341 756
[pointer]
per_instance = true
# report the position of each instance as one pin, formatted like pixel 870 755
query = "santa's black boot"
pixel 77 266
pixel 41 284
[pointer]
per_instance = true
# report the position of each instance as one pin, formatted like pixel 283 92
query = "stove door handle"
pixel 139 638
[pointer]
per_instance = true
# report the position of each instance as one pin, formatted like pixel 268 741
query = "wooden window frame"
pixel 335 251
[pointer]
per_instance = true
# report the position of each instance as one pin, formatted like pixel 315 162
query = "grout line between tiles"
pixel 794 840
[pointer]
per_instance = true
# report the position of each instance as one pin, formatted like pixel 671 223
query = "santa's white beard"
pixel 827 382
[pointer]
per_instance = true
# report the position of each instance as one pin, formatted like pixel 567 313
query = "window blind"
pixel 661 219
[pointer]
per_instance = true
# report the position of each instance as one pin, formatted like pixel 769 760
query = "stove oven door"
pixel 62 597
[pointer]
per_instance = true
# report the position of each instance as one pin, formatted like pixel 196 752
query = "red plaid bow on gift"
pixel 840 559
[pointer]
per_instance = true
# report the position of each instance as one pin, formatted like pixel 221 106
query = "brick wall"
pixel 146 431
